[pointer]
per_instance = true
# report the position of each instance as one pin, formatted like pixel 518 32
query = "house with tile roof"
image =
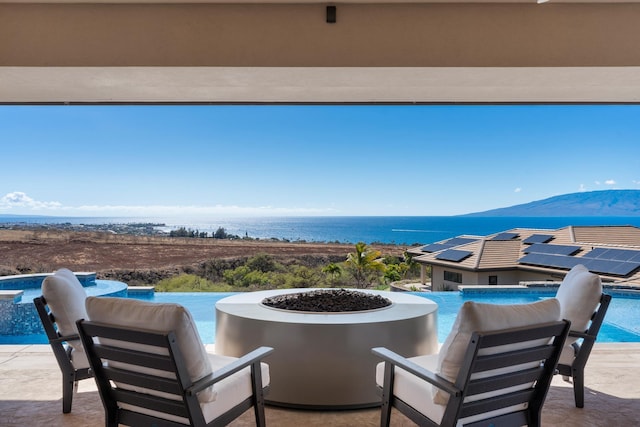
pixel 532 255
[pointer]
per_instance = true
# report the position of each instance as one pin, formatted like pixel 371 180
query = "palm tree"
pixel 362 263
pixel 332 270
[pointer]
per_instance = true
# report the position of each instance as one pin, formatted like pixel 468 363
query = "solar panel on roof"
pixel 606 266
pixel 550 260
pixel 457 241
pixel 620 254
pixel 595 265
pixel 625 268
pixel 598 265
pixel 435 247
pixel 505 236
pixel 596 253
pixel 537 238
pixel 453 255
pixel 451 243
pixel 545 248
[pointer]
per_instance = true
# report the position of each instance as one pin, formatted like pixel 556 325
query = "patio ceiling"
pixel 162 51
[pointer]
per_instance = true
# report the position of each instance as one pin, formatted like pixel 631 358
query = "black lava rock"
pixel 327 301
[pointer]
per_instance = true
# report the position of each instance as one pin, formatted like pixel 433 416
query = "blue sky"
pixel 222 161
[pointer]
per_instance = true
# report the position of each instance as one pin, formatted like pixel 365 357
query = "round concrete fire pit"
pixel 324 360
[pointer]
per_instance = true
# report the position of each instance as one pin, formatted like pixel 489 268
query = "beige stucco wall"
pixel 506 277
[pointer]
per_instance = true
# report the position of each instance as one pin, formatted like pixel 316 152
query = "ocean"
pixel 401 230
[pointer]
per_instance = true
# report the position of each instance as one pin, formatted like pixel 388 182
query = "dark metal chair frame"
pixel 62 352
pixel 187 406
pixel 583 350
pixel 464 386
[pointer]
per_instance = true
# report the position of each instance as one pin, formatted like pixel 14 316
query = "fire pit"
pixel 322 357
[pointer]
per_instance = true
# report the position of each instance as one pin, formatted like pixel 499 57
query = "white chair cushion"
pixel 231 391
pixel 412 390
pixel 579 295
pixel 475 316
pixel 79 358
pixel 66 296
pixel 568 355
pixel 162 318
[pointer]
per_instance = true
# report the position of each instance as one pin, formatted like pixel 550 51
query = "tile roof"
pixel 489 254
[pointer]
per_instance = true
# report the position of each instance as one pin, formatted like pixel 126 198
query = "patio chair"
pixel 495 368
pixel 583 303
pixel 152 369
pixel 59 307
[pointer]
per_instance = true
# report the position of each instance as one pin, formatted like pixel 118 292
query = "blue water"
pixel 408 230
pixel 622 321
pixel 101 287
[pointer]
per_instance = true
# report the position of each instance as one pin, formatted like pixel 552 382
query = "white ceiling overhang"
pixel 322 85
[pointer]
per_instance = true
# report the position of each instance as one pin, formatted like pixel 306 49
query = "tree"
pixel 363 264
pixel 220 233
pixel 393 273
pixel 332 270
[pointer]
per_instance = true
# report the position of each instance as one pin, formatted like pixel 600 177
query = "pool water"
pixel 621 324
pixel 100 287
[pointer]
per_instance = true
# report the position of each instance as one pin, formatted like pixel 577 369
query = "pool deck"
pixel 30 394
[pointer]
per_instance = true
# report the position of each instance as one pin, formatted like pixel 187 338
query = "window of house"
pixel 451 276
pixel 493 280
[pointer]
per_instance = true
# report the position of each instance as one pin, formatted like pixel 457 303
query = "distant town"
pixel 138 229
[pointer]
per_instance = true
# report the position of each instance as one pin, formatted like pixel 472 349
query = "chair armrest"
pixel 228 370
pixel 577 334
pixel 74 337
pixel 417 370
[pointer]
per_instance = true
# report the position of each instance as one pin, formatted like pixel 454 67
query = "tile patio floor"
pixel 30 395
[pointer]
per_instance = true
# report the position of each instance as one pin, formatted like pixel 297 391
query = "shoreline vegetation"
pixel 138 254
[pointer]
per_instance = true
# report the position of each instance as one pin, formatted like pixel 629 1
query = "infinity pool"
pixel 622 322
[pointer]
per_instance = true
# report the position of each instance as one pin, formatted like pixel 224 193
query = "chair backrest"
pixel 589 337
pixel 65 296
pixel 474 316
pixel 579 295
pixel 129 396
pixel 63 303
pixel 72 361
pixel 584 304
pixel 161 318
pixel 506 374
pixel 56 339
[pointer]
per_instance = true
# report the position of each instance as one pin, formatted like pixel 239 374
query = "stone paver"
pixel 30 394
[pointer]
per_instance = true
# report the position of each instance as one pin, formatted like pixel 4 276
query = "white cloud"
pixel 517 190
pixel 20 203
pixel 582 188
pixel 610 182
pixel 18 199
pixel 597 182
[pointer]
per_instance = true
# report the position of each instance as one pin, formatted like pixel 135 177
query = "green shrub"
pixel 190 283
pixel 263 263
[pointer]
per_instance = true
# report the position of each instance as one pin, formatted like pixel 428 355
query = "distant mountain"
pixel 591 203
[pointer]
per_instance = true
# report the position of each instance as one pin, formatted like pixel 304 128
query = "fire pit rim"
pixel 247 305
